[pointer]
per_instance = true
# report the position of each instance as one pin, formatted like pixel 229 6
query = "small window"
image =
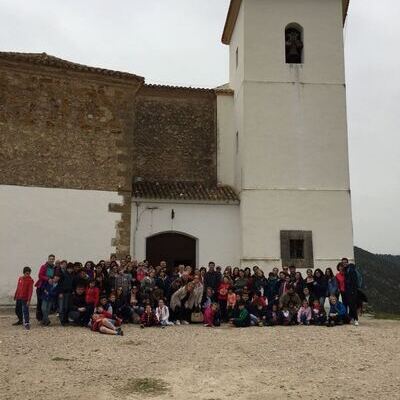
pixel 237 57
pixel 297 249
pixel 294 44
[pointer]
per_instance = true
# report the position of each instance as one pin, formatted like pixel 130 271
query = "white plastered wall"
pixel 293 151
pixel 35 222
pixel 215 227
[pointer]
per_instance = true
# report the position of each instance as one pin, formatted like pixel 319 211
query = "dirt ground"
pixel 193 362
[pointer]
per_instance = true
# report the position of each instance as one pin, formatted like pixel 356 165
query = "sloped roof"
pixel 51 61
pixel 191 191
pixel 233 12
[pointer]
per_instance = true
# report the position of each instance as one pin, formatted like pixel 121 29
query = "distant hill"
pixel 381 280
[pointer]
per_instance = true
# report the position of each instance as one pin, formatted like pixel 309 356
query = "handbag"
pixel 197 317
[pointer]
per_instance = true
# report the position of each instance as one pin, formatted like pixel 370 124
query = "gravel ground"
pixel 193 362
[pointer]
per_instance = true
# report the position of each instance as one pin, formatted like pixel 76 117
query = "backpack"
pixel 359 278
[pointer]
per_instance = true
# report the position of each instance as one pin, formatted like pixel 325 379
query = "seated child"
pixel 318 316
pixel 209 315
pixel 22 297
pixel 101 323
pixel 148 318
pixel 243 319
pixel 207 298
pixel 162 314
pixel 304 314
pixel 273 316
pixel 288 315
pixel 80 312
pixel 337 312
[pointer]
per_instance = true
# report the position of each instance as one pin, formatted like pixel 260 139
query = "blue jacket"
pixel 332 287
pixel 338 308
pixel 50 292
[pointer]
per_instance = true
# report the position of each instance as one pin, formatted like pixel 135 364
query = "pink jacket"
pixel 304 311
pixel 42 276
pixel 209 316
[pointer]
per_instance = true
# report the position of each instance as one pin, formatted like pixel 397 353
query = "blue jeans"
pixel 22 311
pixel 46 308
pixel 63 307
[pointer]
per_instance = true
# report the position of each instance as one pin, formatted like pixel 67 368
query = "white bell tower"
pixel 292 170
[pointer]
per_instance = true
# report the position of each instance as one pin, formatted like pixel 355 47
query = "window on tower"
pixel 294 44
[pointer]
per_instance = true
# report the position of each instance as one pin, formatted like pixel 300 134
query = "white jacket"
pixel 162 313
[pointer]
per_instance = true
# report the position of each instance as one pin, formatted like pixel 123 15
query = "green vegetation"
pixel 146 386
pixel 395 317
pixel 381 282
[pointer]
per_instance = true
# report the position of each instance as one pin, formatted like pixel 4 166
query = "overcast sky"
pixel 178 42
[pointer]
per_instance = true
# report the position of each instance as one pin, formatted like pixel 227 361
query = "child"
pixel 100 323
pixel 318 316
pixel 273 316
pixel 304 314
pixel 92 294
pixel 337 312
pixel 50 294
pixel 22 297
pixel 209 315
pixel 148 318
pixel 243 320
pixel 223 297
pixel 231 304
pixel 162 314
pixel 65 285
pixel 80 312
pixel 288 314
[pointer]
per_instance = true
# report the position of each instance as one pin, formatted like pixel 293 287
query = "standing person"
pixel 46 272
pixel 66 286
pixel 212 277
pixel 320 286
pixel 223 297
pixel 341 280
pixel 332 288
pixel 22 297
pixel 351 292
pixel 49 297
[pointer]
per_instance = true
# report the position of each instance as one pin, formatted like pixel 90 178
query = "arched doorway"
pixel 173 247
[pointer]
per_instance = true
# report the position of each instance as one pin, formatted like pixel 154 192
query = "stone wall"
pixel 60 129
pixel 175 135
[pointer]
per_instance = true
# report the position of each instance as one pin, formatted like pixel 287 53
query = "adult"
pixel 290 297
pixel 332 288
pixel 46 274
pixel 212 278
pixel 341 280
pixel 351 292
pixel 182 303
pixel 320 286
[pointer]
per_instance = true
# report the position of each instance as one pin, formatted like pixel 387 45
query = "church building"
pixel 254 172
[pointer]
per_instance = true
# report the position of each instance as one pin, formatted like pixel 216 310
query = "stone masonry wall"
pixel 67 129
pixel 175 135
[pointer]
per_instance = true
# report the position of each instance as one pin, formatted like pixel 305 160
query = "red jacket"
pixel 223 291
pixel 92 295
pixel 24 288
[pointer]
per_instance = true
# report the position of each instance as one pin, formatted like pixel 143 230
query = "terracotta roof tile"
pixel 191 191
pixel 48 60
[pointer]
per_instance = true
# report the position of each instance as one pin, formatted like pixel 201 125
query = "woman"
pixel 241 281
pixel 309 280
pixel 298 285
pixel 320 286
pixel 259 281
pixel 332 288
pixel 341 281
pixel 235 273
pixel 185 300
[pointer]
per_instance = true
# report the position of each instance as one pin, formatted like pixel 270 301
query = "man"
pixel 351 285
pixel 212 278
pixel 290 297
pixel 46 274
pixel 80 312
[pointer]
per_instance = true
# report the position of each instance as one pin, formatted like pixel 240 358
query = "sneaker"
pixel 177 322
pixel 355 323
pixel 27 327
pixel 120 332
pixel 185 323
pixel 142 326
pixel 17 323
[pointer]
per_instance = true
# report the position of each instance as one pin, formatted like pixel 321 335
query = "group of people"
pixel 105 295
